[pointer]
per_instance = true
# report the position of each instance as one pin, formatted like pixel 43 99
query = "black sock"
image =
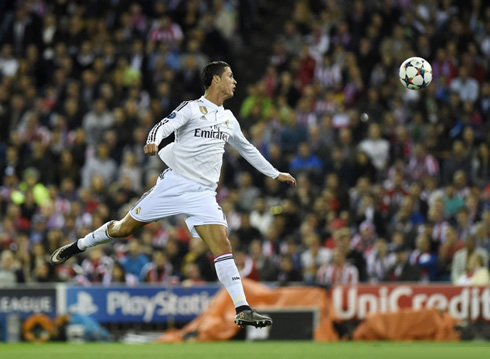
pixel 74 248
pixel 241 308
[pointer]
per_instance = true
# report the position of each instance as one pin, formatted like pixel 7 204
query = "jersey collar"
pixel 210 104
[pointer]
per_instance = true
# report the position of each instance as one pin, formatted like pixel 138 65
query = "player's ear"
pixel 216 79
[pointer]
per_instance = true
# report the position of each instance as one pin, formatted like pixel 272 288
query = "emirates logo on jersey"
pixel 213 132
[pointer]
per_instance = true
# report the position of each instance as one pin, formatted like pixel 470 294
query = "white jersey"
pixel 201 131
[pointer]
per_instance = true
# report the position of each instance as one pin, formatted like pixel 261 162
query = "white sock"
pixel 229 276
pixel 99 236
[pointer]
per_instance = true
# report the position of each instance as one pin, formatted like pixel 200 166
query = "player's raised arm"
pixel 255 158
pixel 166 126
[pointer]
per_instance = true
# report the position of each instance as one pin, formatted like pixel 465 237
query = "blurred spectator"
pixel 476 273
pixel 134 260
pixel 465 86
pixel 421 164
pixel 198 255
pixel 264 263
pixel 307 163
pixel 117 275
pixel 260 217
pixel 457 161
pixel 43 274
pixel 376 147
pixel 9 272
pixel 101 165
pixel 159 270
pixel 96 265
pixel 337 272
pixel 96 121
pixel 424 259
pixel 247 232
pixel 248 193
pixel 287 272
pixel 246 266
pixel 313 257
pixel 462 257
pixel 446 253
pixel 402 270
pixel 482 236
pixel 379 261
pixel 192 275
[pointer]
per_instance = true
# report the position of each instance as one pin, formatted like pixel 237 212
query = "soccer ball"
pixel 415 73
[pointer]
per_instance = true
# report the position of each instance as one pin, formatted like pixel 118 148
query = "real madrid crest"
pixel 203 109
pixel 227 123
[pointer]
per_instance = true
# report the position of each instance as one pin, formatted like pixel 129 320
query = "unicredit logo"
pixel 461 302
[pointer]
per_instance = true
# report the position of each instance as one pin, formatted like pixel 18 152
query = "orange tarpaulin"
pixel 408 324
pixel 216 322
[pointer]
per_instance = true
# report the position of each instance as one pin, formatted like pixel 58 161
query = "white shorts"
pixel 174 194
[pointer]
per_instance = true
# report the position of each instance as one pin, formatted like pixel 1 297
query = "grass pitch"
pixel 248 350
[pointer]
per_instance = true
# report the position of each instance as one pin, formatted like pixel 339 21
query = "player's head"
pixel 218 75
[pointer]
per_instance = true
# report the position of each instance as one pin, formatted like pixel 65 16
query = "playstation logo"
pixel 84 304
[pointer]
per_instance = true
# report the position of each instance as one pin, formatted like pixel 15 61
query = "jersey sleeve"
pixel 250 152
pixel 179 117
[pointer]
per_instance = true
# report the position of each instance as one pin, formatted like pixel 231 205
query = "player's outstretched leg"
pixel 215 236
pixel 104 234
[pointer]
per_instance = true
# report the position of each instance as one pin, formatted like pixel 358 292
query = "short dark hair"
pixel 211 69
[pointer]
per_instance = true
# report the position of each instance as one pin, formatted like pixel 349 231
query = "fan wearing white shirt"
pixel 188 187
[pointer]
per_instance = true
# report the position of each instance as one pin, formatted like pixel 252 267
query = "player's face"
pixel 228 83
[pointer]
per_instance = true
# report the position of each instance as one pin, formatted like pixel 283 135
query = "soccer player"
pixel 202 128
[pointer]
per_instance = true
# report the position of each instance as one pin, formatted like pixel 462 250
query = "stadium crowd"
pixel 393 185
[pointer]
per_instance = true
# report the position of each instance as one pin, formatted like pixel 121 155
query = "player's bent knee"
pixel 120 230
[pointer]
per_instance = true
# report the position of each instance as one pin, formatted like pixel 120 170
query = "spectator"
pixel 476 273
pixel 198 254
pixel 247 233
pixel 159 270
pixel 96 122
pixel 421 164
pixel 457 161
pixel 376 148
pixel 117 275
pixel 461 258
pixel 96 265
pixel 379 261
pixel 287 272
pixel 446 252
pixel 9 272
pixel 338 272
pixel 260 217
pixel 134 260
pixel 264 263
pixel 306 162
pixel 101 165
pixel 248 192
pixel 402 270
pixel 246 266
pixel 465 86
pixel 314 257
pixel 482 236
pixel 424 259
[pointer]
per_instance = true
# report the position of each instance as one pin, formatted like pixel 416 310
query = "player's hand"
pixel 151 149
pixel 286 177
